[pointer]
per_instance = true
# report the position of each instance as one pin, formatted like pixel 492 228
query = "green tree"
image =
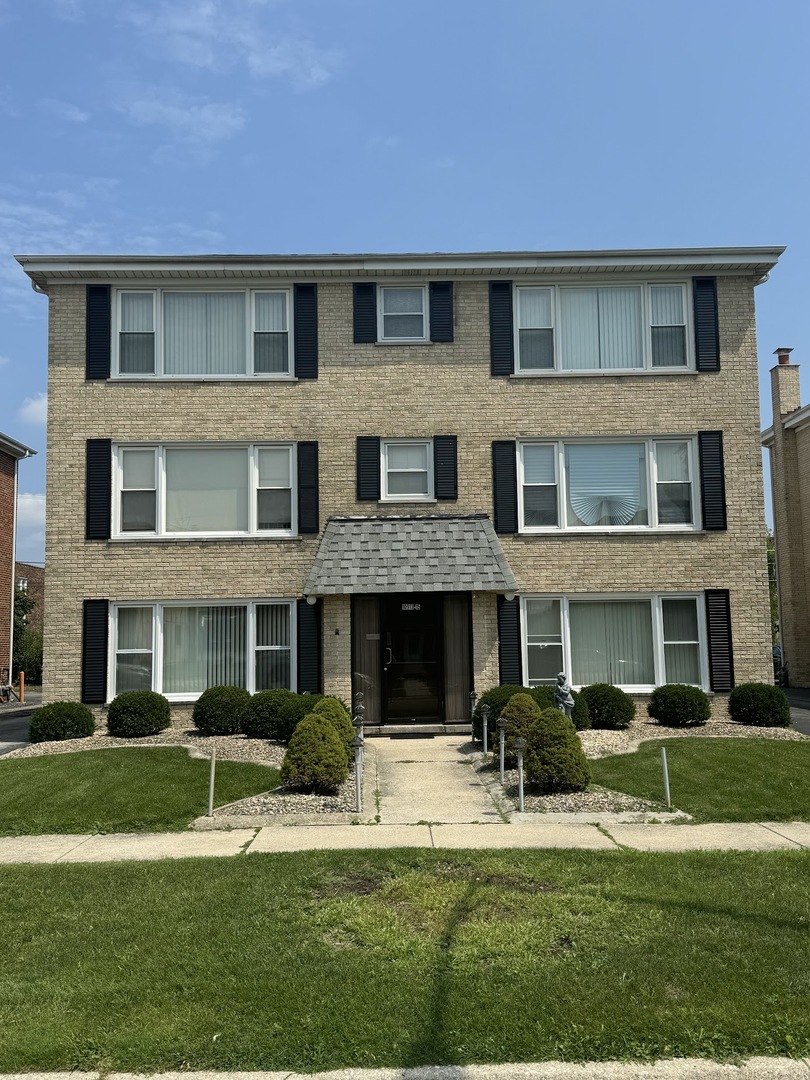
pixel 27 655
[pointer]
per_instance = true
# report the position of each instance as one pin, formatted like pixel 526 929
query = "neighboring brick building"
pixel 32 578
pixel 528 462
pixel 11 452
pixel 788 440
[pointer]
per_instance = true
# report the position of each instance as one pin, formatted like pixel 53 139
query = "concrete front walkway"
pixel 120 847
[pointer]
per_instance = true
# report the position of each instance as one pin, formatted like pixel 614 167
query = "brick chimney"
pixel 785 393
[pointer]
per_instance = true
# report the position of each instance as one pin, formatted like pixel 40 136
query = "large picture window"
pixel 590 484
pixel 636 642
pixel 192 334
pixel 601 328
pixel 182 649
pixel 186 490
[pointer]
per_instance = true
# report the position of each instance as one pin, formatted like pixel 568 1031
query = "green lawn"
pixel 718 779
pixel 121 790
pixel 320 960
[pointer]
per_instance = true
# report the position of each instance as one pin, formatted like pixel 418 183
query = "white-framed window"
pixel 181 648
pixel 580 328
pixel 635 642
pixel 204 490
pixel 582 484
pixel 407 470
pixel 402 313
pixel 192 334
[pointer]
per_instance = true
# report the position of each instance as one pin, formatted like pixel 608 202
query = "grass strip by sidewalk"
pixel 718 779
pixel 128 789
pixel 322 960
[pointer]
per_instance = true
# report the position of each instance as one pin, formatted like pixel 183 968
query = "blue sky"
pixel 172 126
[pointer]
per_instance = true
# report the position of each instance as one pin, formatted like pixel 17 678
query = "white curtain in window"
pixel 681 640
pixel 544 639
pixel 271 313
pixel 612 642
pixel 407 456
pixel 672 462
pixel 620 337
pixel 607 483
pixel 135 628
pixel 204 333
pixel 274 467
pixel 207 490
pixel 138 467
pixel 579 328
pixel 538 464
pixel 273 624
pixel 202 647
pixel 534 308
pixel 137 313
pixel 667 305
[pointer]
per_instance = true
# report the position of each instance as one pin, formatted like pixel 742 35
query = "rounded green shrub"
pixel 292 711
pixel 218 710
pixel 61 720
pixel 520 712
pixel 338 716
pixel 316 757
pixel 760 705
pixel 554 759
pixel 544 696
pixel 608 706
pixel 261 718
pixel 136 713
pixel 497 698
pixel 679 705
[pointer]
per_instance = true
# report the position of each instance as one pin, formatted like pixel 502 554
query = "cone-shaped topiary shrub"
pixel 608 706
pixel 219 709
pixel 759 704
pixel 338 716
pixel 520 712
pixel 137 713
pixel 554 758
pixel 679 705
pixel 292 711
pixel 544 696
pixel 316 757
pixel 262 716
pixel 61 720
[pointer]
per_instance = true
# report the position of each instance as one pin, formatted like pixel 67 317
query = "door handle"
pixel 390 658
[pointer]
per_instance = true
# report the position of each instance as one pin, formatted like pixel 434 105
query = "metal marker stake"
pixel 520 746
pixel 357 743
pixel 211 783
pixel 502 734
pixel 485 714
pixel 666 777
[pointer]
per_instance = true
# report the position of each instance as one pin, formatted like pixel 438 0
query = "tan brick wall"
pixel 403 391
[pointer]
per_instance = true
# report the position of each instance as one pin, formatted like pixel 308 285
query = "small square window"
pixel 403 314
pixel 407 470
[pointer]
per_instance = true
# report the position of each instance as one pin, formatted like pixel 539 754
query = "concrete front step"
pixel 415 731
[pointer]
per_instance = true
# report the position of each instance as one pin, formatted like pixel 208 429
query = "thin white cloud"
pixel 30 527
pixel 217 35
pixel 35 410
pixel 4 360
pixel 190 119
pixel 64 110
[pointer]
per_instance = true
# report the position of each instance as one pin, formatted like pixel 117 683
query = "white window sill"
pixel 414 341
pixel 407 502
pixel 142 379
pixel 612 532
pixel 203 538
pixel 610 373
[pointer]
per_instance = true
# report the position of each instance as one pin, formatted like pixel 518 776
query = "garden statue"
pixel 562 695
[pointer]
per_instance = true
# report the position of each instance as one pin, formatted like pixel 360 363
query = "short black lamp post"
pixel 357 745
pixel 473 699
pixel 502 739
pixel 486 712
pixel 520 746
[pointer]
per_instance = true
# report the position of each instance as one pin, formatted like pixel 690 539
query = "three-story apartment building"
pixel 410 475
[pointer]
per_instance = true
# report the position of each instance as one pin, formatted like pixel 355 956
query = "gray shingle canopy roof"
pixel 429 553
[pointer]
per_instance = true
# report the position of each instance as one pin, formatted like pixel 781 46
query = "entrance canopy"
pixel 429 553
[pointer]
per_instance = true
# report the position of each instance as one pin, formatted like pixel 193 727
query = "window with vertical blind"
pixel 180 649
pixel 204 490
pixel 602 328
pixel 172 333
pixel 577 485
pixel 636 642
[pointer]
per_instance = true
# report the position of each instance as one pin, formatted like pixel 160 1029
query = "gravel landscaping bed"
pixel 598 744
pixel 599 800
pixel 285 801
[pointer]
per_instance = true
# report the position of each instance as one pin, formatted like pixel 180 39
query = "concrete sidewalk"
pixel 756 1068
pixel 124 847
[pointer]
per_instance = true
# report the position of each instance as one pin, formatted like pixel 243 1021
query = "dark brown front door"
pixel 412 654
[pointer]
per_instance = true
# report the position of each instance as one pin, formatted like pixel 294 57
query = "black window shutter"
pixel 95 623
pixel 445 467
pixel 98 489
pixel 365 312
pixel 368 468
pixel 441 311
pixel 712 480
pixel 504 486
pixel 305 332
pixel 501 330
pixel 707 333
pixel 509 665
pixel 721 654
pixel 308 487
pixel 98 332
pixel 309 647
